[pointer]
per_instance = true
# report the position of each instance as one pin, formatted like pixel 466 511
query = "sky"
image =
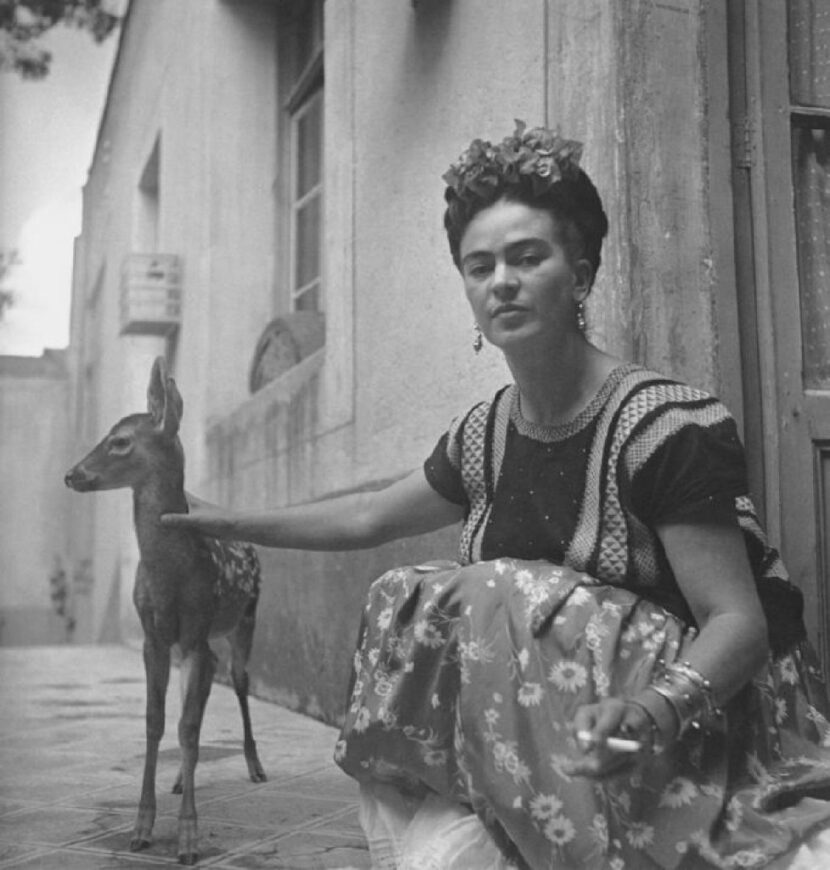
pixel 47 137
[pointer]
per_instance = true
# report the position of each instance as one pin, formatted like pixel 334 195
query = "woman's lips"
pixel 508 309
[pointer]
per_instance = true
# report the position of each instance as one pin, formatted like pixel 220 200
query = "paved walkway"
pixel 71 756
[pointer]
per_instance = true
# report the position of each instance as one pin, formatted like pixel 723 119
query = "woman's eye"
pixel 479 271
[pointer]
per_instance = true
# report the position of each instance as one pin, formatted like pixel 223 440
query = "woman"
pixel 614 674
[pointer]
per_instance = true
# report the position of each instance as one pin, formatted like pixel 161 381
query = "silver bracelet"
pixel 688 693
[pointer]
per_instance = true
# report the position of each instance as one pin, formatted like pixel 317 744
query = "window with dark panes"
pixel 302 138
pixel 809 64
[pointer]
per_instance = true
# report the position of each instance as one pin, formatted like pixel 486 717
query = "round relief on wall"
pixel 284 342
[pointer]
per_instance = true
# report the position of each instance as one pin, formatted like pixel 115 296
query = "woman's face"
pixel 519 279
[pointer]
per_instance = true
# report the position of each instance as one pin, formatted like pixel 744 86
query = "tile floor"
pixel 71 755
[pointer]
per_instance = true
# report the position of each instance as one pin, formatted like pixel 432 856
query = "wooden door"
pixel 782 138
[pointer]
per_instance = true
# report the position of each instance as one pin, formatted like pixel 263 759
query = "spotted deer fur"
pixel 188 589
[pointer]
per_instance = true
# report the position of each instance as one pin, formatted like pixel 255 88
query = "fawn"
pixel 188 588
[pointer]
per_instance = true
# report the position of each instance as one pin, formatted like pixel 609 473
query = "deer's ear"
pixel 156 392
pixel 173 408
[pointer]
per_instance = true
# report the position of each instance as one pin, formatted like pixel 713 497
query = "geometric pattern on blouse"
pixel 483 436
pixel 602 520
pixel 600 467
pixel 625 438
pixel 773 566
pixel 473 432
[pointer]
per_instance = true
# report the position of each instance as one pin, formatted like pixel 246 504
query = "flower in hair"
pixel 538 154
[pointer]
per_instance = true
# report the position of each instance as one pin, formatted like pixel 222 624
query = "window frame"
pixel 300 88
pixel 299 201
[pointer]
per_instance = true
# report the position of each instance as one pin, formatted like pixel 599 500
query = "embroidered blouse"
pixel 646 451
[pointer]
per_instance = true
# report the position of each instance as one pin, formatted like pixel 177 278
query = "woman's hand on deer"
pixel 202 517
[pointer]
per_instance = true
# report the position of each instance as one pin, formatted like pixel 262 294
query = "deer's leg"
pixel 241 641
pixel 198 668
pixel 157 669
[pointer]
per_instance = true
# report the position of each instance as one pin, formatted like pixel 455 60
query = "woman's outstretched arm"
pixel 409 506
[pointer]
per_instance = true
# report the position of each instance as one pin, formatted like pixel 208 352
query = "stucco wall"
pixel 33 449
pixel 633 81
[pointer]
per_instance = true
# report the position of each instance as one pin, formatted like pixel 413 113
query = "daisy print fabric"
pixel 466 677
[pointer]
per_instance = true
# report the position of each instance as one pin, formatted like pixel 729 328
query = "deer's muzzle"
pixel 80 480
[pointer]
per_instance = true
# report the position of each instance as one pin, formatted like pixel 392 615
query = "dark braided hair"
pixel 535 167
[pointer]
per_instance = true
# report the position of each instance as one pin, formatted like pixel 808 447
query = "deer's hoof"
pixel 177 787
pixel 138 844
pixel 258 775
pixel 189 858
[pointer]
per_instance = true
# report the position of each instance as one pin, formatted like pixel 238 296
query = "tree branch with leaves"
pixel 24 22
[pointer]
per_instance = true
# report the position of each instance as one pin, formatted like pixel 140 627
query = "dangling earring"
pixel 581 323
pixel 478 339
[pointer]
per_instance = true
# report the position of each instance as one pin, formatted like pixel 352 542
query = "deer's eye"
pixel 120 444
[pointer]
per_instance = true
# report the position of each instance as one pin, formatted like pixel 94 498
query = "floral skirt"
pixel 466 677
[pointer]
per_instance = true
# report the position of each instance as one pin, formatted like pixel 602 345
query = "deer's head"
pixel 138 446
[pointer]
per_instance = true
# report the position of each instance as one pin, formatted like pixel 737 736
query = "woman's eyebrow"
pixel 529 241
pixel 476 255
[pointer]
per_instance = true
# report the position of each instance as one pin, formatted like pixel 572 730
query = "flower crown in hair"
pixel 538 154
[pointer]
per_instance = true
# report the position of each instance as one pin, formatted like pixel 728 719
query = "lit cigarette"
pixel 616 744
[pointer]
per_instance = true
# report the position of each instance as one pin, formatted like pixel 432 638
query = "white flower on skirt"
pixel 545 806
pixel 568 676
pixel 384 686
pixel 639 834
pixel 560 763
pixel 428 634
pixel 749 858
pixel 599 830
pixel 678 793
pixel 507 758
pixel 361 721
pixel 757 770
pixel 434 757
pixel 530 694
pixel 780 711
pixel 384 619
pixel 579 596
pixel 815 717
pixel 734 814
pixel 560 830
pixel 787 670
pixel 712 790
pixel 475 651
pixel 524 579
